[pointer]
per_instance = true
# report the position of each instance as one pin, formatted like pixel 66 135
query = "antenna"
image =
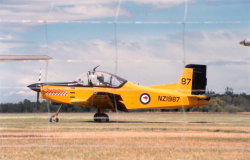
pixel 116 49
pixel 184 32
pixel 115 35
pixel 95 68
pixel 47 50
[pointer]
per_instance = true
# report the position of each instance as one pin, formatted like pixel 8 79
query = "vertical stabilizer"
pixel 193 80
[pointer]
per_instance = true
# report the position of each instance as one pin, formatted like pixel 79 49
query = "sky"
pixel 151 40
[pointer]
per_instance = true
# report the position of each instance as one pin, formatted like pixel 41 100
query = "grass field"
pixel 129 136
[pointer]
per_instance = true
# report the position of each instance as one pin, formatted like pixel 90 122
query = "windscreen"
pixel 100 79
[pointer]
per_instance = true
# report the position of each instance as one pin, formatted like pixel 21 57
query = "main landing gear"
pixel 54 118
pixel 98 117
pixel 101 117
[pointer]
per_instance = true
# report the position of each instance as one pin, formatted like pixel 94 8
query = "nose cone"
pixel 242 43
pixel 35 87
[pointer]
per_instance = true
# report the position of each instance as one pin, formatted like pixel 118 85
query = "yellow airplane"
pixel 104 90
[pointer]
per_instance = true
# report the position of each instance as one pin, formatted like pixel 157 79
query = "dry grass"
pixel 133 136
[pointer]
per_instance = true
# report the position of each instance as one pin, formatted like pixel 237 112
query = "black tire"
pixel 101 117
pixel 51 120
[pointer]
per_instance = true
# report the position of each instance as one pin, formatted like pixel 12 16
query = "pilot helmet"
pixel 100 78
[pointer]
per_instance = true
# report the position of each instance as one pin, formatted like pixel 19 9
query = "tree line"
pixel 226 102
pixel 27 106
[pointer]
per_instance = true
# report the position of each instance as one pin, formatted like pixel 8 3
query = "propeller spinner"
pixel 37 87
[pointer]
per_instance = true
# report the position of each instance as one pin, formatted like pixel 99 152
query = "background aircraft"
pixel 245 42
pixel 104 91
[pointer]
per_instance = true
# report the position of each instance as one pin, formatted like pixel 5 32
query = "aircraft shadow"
pixel 135 122
pixel 113 122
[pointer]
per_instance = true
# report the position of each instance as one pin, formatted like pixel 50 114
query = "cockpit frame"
pixel 100 79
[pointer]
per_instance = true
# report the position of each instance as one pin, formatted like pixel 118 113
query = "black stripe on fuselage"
pixel 75 84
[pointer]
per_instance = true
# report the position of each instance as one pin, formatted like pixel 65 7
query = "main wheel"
pixel 101 117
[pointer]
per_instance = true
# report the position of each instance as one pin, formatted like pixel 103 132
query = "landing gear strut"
pixel 101 117
pixel 54 118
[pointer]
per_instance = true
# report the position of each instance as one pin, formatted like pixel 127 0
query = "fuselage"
pixel 104 90
pixel 133 96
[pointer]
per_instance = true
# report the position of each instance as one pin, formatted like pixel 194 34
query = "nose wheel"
pixel 101 117
pixel 54 118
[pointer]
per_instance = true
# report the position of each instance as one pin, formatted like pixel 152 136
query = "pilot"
pixel 80 81
pixel 100 78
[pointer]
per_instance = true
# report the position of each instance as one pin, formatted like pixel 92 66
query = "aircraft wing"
pixel 103 100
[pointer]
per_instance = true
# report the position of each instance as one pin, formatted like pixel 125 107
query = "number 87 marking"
pixel 185 81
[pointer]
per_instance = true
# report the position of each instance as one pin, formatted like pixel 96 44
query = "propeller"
pixel 39 82
pixel 37 87
pixel 37 98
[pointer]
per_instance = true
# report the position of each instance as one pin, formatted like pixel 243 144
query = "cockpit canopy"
pixel 100 79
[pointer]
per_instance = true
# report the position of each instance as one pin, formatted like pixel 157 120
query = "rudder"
pixel 193 80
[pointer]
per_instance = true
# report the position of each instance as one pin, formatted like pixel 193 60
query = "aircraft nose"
pixel 35 87
pixel 242 43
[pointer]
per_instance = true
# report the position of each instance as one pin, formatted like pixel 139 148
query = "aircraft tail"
pixel 193 80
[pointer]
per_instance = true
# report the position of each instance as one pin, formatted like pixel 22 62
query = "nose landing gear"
pixel 54 118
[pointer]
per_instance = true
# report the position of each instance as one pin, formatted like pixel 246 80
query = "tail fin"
pixel 193 79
